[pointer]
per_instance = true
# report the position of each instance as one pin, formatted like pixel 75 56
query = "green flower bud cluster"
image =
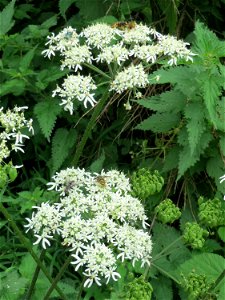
pixel 137 289
pixel 144 183
pixel 197 286
pixel 167 211
pixel 8 173
pixel 211 213
pixel 194 235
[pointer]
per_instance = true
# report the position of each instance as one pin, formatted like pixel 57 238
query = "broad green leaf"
pixel 27 266
pixel 162 288
pixel 209 264
pixel 47 113
pixel 62 142
pixel 50 22
pixel 97 165
pixel 170 9
pixel 91 10
pixel 160 122
pixel 64 5
pixel 221 233
pixel 171 161
pixel 14 86
pixel 6 15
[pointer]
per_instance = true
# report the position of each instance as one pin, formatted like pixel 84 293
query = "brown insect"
pixel 124 25
pixel 101 180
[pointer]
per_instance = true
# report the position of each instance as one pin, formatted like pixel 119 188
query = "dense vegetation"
pixel 137 162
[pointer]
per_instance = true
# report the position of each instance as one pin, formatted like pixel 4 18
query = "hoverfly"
pixel 124 25
pixel 101 180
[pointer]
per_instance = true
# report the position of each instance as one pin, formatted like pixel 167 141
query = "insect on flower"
pixel 101 181
pixel 124 25
pixel 68 186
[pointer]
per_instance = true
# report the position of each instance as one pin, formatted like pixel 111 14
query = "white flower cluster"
pixel 12 123
pixel 126 47
pixel 97 219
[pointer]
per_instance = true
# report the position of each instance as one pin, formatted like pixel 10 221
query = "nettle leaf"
pixel 188 159
pixel 221 233
pixel 14 86
pixel 93 9
pixel 6 16
pixel 171 101
pixel 207 43
pixel 47 113
pixel 196 123
pixel 215 169
pixel 97 165
pixel 160 122
pixel 211 88
pixel 62 142
pixel 64 5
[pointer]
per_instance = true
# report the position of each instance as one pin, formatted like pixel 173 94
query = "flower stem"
pixel 89 127
pixel 25 242
pixel 35 277
pixel 80 290
pixel 57 278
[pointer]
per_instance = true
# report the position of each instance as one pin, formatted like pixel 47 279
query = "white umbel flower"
pixel 98 35
pixel 130 78
pixel 79 87
pixel 116 53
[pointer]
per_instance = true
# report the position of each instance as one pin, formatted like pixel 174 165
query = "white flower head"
pixel 98 35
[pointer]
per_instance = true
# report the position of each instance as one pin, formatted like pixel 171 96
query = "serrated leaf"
pixel 27 58
pixel 211 88
pixel 62 142
pixel 196 123
pixel 64 5
pixel 47 113
pixel 188 159
pixel 171 101
pixel 93 9
pixel 221 233
pixel 160 122
pixel 6 15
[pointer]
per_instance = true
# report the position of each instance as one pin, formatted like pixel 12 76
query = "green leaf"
pixel 14 86
pixel 196 124
pixel 64 5
pixel 170 9
pixel 211 88
pixel 209 264
pixel 97 165
pixel 160 122
pixel 171 161
pixel 162 287
pixel 27 266
pixel 91 10
pixel 62 142
pixel 172 101
pixel 50 22
pixel 215 169
pixel 47 113
pixel 188 159
pixel 6 15
pixel 221 233
pixel 27 58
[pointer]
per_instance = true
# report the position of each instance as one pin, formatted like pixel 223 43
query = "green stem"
pixel 218 280
pixel 35 277
pixel 81 289
pixel 88 129
pixel 57 278
pixel 25 242
pixel 97 70
pixel 166 273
